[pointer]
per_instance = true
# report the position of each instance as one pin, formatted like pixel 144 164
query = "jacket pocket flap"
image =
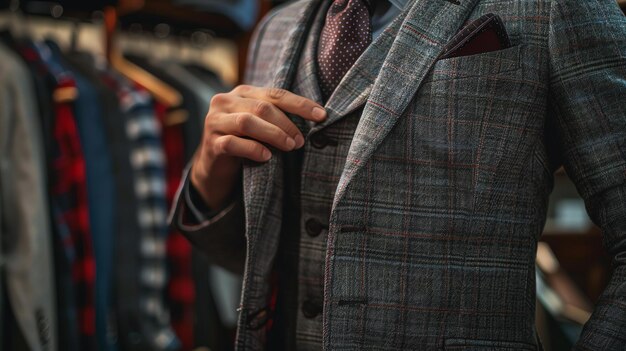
pixel 481 345
pixel 485 64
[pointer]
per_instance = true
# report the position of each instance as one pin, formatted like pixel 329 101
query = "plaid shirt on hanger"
pixel 181 291
pixel 70 191
pixel 69 195
pixel 148 162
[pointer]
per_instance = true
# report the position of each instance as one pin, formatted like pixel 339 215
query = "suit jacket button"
pixel 313 227
pixel 311 309
pixel 320 140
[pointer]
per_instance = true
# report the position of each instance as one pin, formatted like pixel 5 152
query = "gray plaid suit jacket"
pixel 443 195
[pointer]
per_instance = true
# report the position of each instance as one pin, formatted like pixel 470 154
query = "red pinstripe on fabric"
pixel 444 190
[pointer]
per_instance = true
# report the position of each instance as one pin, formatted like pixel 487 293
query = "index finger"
pixel 286 101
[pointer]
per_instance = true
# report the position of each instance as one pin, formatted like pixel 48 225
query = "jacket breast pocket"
pixel 485 64
pixel 482 116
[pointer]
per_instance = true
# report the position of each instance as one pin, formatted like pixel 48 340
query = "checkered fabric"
pixel 70 193
pixel 434 222
pixel 69 196
pixel 148 162
pixel 317 175
pixel 181 291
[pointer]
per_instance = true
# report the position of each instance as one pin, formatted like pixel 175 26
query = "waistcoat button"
pixel 311 309
pixel 320 140
pixel 313 227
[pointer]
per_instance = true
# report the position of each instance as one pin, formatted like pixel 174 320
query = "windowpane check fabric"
pixel 346 34
pixel 444 191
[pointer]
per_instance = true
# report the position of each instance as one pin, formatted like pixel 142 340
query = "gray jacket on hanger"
pixel 26 255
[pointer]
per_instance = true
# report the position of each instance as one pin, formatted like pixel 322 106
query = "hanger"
pixel 164 93
pixel 22 27
pixel 16 20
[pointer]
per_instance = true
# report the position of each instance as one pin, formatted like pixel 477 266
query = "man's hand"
pixel 237 126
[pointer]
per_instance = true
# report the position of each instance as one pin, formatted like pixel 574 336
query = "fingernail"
pixel 299 141
pixel 319 113
pixel 267 155
pixel 290 143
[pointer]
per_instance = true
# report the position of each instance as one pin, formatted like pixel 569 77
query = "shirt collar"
pixel 400 4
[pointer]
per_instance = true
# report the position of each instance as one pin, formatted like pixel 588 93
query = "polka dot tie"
pixel 346 34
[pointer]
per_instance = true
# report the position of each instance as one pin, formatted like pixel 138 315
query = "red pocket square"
pixel 484 34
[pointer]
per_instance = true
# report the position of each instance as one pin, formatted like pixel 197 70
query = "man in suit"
pixel 379 190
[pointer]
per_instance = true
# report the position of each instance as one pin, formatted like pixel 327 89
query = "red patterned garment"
pixel 181 289
pixel 69 190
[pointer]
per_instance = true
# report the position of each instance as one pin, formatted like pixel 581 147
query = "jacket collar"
pixel 400 4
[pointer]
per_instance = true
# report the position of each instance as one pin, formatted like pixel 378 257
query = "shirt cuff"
pixel 195 204
pixel 198 211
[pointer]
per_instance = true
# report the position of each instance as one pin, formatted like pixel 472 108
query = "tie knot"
pixel 341 5
pixel 346 34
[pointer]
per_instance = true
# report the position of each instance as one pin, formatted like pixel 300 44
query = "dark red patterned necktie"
pixel 346 34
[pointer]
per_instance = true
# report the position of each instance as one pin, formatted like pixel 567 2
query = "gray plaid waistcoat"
pixel 321 169
pixel 323 158
pixel 442 195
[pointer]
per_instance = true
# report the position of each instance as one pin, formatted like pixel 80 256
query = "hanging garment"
pixel 178 147
pixel 64 250
pixel 180 285
pixel 202 91
pixel 207 76
pixel 25 236
pixel 99 181
pixel 69 194
pixel 43 86
pixel 191 127
pixel 126 241
pixel 147 161
pixel 224 287
pixel 100 191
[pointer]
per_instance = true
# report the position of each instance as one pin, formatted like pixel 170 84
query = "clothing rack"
pixel 77 44
pixel 221 55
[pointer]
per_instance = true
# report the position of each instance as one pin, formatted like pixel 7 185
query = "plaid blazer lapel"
pixel 258 178
pixel 424 31
pixel 305 82
pixel 355 88
pixel 262 190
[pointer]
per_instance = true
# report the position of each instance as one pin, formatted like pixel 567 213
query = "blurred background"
pixel 105 100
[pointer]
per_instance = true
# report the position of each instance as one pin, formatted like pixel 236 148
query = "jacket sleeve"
pixel 587 44
pixel 220 235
